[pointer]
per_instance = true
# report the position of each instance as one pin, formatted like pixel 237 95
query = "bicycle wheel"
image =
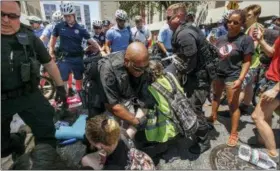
pixel 47 87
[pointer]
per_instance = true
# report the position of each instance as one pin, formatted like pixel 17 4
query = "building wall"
pixel 108 9
pixel 29 8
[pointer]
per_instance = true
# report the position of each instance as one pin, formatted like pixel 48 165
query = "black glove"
pixel 61 95
pixel 142 123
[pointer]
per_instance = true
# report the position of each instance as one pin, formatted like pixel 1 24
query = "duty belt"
pixel 12 94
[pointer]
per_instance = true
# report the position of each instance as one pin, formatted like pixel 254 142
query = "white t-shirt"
pixel 141 35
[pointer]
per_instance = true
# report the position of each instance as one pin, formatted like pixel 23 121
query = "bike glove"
pixel 61 95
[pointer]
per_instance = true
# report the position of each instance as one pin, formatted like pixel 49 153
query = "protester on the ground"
pixel 42 157
pixel 104 133
pixel 36 25
pixel 141 33
pixel 119 36
pixel 71 35
pixel 235 51
pixel 185 45
pixel 246 95
pixel 19 84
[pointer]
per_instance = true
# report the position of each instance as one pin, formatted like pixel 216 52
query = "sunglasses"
pixel 139 69
pixel 169 18
pixel 33 22
pixel 11 16
pixel 95 28
pixel 234 22
pixel 119 20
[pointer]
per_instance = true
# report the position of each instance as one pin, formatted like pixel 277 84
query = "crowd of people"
pixel 138 104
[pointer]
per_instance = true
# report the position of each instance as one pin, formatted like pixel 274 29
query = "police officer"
pixel 106 26
pixel 21 51
pixel 119 83
pixel 99 36
pixel 35 23
pixel 46 35
pixel 188 63
pixel 70 49
pixel 119 36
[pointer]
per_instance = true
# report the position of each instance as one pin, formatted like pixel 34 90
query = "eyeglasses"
pixel 33 22
pixel 139 69
pixel 95 28
pixel 11 16
pixel 119 20
pixel 234 22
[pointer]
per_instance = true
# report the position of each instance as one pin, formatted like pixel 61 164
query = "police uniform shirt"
pixel 119 38
pixel 12 54
pixel 165 36
pixel 100 38
pixel 70 37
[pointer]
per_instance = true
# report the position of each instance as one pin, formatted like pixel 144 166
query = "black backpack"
pixel 207 53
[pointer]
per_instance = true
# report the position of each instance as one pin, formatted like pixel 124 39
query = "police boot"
pixel 202 144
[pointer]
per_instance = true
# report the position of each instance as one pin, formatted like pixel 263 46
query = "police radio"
pixel 25 67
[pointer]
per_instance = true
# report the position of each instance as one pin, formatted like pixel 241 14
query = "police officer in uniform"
pixel 99 36
pixel 196 84
pixel 121 76
pixel 20 56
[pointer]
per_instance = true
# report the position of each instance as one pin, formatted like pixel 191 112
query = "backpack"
pixel 182 114
pixel 137 160
pixel 207 53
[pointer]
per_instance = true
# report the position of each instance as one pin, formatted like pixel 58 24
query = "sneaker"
pixel 233 140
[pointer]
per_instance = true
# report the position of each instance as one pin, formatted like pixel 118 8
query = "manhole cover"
pixel 224 157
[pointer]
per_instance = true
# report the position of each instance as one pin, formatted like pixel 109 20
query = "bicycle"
pixel 47 86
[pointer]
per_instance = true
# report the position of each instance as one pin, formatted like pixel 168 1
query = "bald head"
pixel 137 52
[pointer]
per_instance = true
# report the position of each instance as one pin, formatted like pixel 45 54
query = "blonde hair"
pixel 257 9
pixel 175 8
pixel 102 129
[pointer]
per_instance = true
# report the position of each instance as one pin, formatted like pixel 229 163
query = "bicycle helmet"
pixel 121 14
pixel 35 19
pixel 106 22
pixel 227 13
pixel 57 16
pixel 97 23
pixel 67 8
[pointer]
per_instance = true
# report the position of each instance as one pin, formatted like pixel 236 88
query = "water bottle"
pixel 256 157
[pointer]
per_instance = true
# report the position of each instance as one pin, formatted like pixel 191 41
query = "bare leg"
pixel 262 112
pixel 218 87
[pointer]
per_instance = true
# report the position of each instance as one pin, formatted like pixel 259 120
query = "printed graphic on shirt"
pixel 226 50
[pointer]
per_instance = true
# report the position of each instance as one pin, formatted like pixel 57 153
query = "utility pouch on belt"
pixel 25 71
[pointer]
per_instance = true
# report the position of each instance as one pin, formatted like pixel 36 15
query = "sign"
pixel 232 5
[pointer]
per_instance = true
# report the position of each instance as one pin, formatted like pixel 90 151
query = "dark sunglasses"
pixel 33 22
pixel 169 18
pixel 95 28
pixel 119 20
pixel 11 16
pixel 139 69
pixel 234 22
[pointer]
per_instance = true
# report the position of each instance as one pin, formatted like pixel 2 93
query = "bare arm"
pixel 107 46
pixel 268 50
pixel 52 46
pixel 121 112
pixel 161 46
pixel 245 67
pixel 53 71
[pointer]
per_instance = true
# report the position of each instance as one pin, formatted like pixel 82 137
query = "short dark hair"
pixel 42 157
pixel 241 13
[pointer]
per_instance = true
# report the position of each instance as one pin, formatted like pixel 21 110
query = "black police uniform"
pixel 20 94
pixel 113 85
pixel 100 38
pixel 185 46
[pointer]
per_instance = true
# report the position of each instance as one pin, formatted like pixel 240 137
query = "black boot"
pixel 71 92
pixel 202 145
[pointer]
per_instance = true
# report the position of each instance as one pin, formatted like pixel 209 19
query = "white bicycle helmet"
pixel 121 14
pixel 67 8
pixel 57 16
pixel 35 19
pixel 97 23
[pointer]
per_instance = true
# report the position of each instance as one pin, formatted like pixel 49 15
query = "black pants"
pixel 36 112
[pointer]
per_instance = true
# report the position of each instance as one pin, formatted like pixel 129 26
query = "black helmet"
pixel 106 22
